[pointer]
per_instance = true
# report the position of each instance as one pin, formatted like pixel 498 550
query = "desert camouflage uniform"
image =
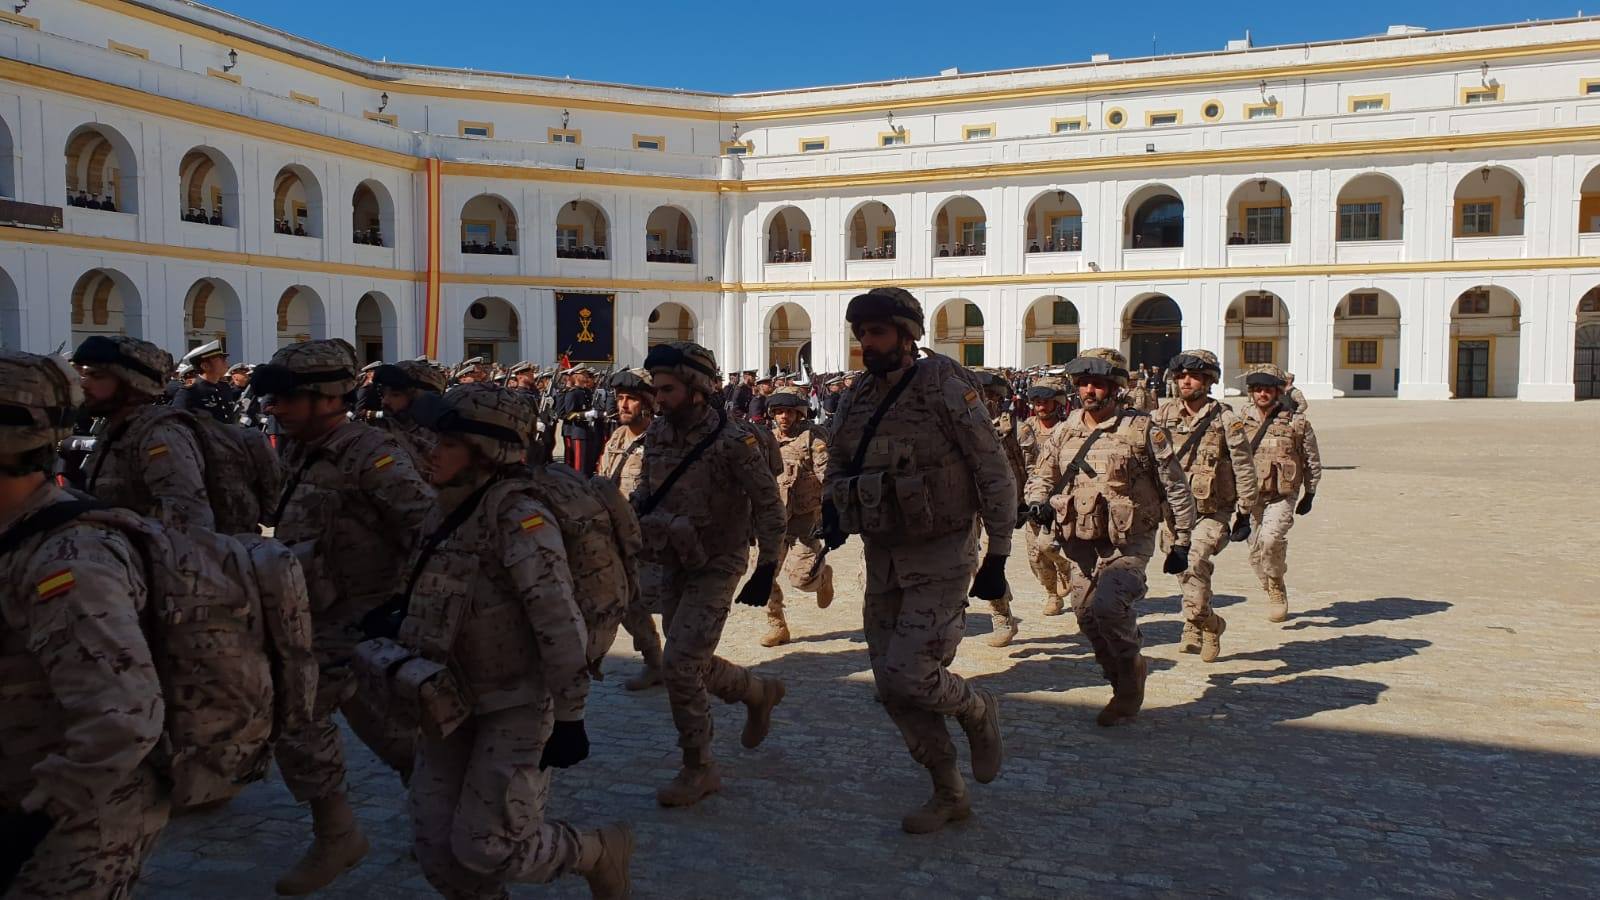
pixel 805 458
pixel 1286 460
pixel 1044 557
pixel 413 438
pixel 83 707
pixel 622 461
pixel 151 463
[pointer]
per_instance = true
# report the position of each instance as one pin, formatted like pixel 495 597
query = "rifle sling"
pixel 871 429
pixel 660 493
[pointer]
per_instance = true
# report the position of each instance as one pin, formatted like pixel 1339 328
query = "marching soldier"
pixel 148 458
pixel 1287 459
pixel 575 409
pixel 211 393
pixel 401 384
pixel 1214 451
pixel 491 604
pixel 471 371
pixel 705 489
pixel 1101 480
pixel 352 510
pixel 997 399
pixel 622 462
pixel 80 803
pixel 803 448
pixel 913 466
pixel 1047 399
pixel 1293 395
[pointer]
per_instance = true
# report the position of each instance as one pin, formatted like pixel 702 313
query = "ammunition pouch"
pixel 410 688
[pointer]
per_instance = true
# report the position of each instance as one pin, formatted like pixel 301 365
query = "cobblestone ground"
pixel 1424 724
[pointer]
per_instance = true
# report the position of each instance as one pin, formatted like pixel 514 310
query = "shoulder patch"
pixel 384 461
pixel 531 523
pixel 55 585
pixel 156 451
pixel 1158 436
pixel 1238 427
pixel 750 440
pixel 970 396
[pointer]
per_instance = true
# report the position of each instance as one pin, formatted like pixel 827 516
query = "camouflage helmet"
pixel 632 381
pixel 892 303
pixel 994 383
pixel 1048 388
pixel 411 374
pixel 141 365
pixel 39 399
pixel 1203 362
pixel 324 367
pixel 789 398
pixel 493 419
pixel 1265 374
pixel 1100 362
pixel 687 361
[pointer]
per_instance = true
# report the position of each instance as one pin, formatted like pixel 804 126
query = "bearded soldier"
pixel 803 448
pixel 1287 461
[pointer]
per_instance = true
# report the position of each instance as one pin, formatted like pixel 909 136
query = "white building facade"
pixel 1413 215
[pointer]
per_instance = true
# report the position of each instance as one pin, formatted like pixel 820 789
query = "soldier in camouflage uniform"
pixel 1047 399
pixel 402 383
pixel 492 606
pixel 352 510
pixel 1301 404
pixel 148 458
pixel 1214 451
pixel 803 449
pixel 622 461
pixel 80 805
pixel 1105 511
pixel 997 400
pixel 916 491
pixel 698 531
pixel 1287 460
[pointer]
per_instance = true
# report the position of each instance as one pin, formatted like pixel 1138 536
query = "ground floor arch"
pixel 958 331
pixel 1367 336
pixel 301 316
pixel 104 302
pixel 1485 338
pixel 10 313
pixel 1152 331
pixel 377 336
pixel 788 337
pixel 670 322
pixel 1256 328
pixel 212 312
pixel 490 328
pixel 1050 332
pixel 1586 348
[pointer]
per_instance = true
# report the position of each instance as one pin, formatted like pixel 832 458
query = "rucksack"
pixel 243 476
pixel 229 628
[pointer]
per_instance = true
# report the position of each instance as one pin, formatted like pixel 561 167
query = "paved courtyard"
pixel 1426 723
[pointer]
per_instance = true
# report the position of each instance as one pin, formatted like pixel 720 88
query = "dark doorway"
pixel 1155 332
pixel 1586 364
pixel 1472 369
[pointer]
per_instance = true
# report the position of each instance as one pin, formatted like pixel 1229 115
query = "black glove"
pixel 1241 528
pixel 20 834
pixel 384 621
pixel 830 532
pixel 1177 560
pixel 758 589
pixel 990 582
pixel 1041 513
pixel 1022 515
pixel 568 746
pixel 1304 506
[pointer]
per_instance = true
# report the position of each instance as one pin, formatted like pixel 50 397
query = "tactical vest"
pixel 1278 459
pixel 1123 498
pixel 705 514
pixel 1209 465
pixel 596 562
pixel 798 485
pixel 1006 432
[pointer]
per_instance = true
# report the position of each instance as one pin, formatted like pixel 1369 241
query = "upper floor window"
pixel 895 138
pixel 1260 306
pixel 977 132
pixel 1262 110
pixel 813 145
pixel 1362 305
pixel 649 142
pixel 564 136
pixel 1477 217
pixel 1373 103
pixel 1482 95
pixel 1066 126
pixel 475 129
pixel 1156 119
pixel 1361 221
pixel 1473 303
pixel 738 148
pixel 1589 87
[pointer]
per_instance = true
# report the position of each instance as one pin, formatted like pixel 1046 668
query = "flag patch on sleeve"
pixel 750 440
pixel 970 396
pixel 384 461
pixel 157 450
pixel 533 522
pixel 56 585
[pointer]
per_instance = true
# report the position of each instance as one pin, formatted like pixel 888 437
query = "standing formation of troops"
pixel 438 577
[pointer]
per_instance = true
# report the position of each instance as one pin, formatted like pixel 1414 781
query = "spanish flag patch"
pixel 533 522
pixel 750 440
pixel 970 396
pixel 157 450
pixel 56 585
pixel 384 461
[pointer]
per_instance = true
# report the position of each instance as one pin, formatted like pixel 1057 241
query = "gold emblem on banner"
pixel 585 336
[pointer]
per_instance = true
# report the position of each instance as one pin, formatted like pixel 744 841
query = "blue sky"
pixel 731 46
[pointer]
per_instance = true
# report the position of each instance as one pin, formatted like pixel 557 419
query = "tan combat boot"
pixel 777 632
pixel 650 675
pixel 759 699
pixel 1005 628
pixel 1190 641
pixel 1127 693
pixel 603 858
pixel 949 803
pixel 1211 638
pixel 1277 600
pixel 697 780
pixel 337 845
pixel 983 737
pixel 825 589
pixel 1053 606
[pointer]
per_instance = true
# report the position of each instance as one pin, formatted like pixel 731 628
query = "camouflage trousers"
pixel 312 758
pixel 99 852
pixel 912 635
pixel 694 608
pixel 477 806
pixel 1106 583
pixel 1269 539
pixel 1046 561
pixel 797 556
pixel 1210 537
pixel 636 619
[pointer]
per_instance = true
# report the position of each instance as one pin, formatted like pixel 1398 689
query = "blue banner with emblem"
pixel 586 327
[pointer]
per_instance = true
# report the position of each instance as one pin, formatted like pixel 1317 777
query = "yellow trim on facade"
pixel 1116 117
pixel 1350 102
pixel 584 176
pixel 307 99
pixel 225 76
pixel 1344 352
pixel 19 20
pixel 1276 106
pixel 1494 216
pixel 1212 102
pixel 554 135
pixel 660 141
pixel 967 132
pixel 486 127
pixel 389 119
pixel 1587 86
pixel 1151 116
pixel 801 144
pixel 1497 93
pixel 1081 121
pixel 127 49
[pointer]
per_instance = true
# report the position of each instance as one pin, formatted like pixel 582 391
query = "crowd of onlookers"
pixel 1069 243
pixel 669 256
pixel 963 249
pixel 199 216
pixel 584 252
pixel 86 200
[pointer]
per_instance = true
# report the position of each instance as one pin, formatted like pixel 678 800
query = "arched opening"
pixel 208 188
pixel 960 228
pixel 300 316
pixel 1050 334
pixel 211 312
pixel 958 331
pixel 670 322
pixel 582 231
pixel 1489 202
pixel 1485 331
pixel 1586 348
pixel 104 302
pixel 1055 223
pixel 1366 344
pixel 376 334
pixel 1371 208
pixel 1257 331
pixel 1152 332
pixel 1154 219
pixel 10 313
pixel 1258 213
pixel 669 236
pixel 490 330
pixel 1589 203
pixel 372 215
pixel 788 337
pixel 489 226
pixel 8 163
pixel 872 231
pixel 101 170
pixel 789 236
pixel 296 203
